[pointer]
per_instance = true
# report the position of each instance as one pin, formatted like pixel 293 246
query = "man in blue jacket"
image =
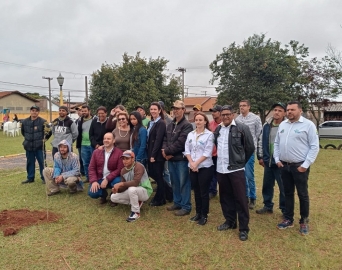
pixel 266 159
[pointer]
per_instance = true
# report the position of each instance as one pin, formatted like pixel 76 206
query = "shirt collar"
pixel 231 124
pixel 301 120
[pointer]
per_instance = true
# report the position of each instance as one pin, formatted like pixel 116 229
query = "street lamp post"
pixel 60 80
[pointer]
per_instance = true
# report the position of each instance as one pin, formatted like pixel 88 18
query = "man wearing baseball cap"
pixel 265 156
pixel 33 131
pixel 140 109
pixel 63 128
pixel 135 186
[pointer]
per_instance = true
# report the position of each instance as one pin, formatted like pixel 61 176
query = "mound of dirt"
pixel 11 221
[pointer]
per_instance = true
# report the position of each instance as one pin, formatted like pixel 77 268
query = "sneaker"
pixel 243 235
pixel 304 228
pixel 285 224
pixel 264 210
pixel 52 193
pixel 181 212
pixel 226 226
pixel 133 217
pixel 173 207
pixel 72 188
pixel 251 204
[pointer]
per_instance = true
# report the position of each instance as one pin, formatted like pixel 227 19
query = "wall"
pixel 17 103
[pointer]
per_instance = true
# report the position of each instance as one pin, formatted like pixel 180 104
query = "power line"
pixel 199 86
pixel 38 86
pixel 47 69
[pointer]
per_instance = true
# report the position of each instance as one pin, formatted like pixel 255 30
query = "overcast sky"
pixel 78 36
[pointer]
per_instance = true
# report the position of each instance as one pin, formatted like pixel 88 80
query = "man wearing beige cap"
pixel 173 148
pixel 135 186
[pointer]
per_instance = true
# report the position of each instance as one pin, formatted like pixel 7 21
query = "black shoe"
pixel 173 207
pixel 243 235
pixel 27 181
pixel 103 200
pixel 202 221
pixel 155 203
pixel 226 226
pixel 196 218
pixel 53 193
pixel 181 213
pixel 264 210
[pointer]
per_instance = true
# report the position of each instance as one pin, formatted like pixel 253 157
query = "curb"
pixel 16 155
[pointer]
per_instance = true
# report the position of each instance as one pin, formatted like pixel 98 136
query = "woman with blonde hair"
pixel 112 122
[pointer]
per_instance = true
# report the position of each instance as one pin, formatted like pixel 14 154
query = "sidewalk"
pixel 19 161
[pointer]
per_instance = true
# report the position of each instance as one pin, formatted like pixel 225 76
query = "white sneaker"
pixel 133 217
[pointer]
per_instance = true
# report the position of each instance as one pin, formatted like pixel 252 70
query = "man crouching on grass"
pixel 65 171
pixel 135 186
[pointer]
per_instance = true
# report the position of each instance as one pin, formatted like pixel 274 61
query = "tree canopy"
pixel 135 81
pixel 260 70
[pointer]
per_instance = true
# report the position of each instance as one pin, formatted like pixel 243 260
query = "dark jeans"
pixel 232 191
pixel 213 183
pixel 164 191
pixel 272 174
pixel 31 157
pixel 81 162
pixel 86 152
pixel 102 192
pixel 292 179
pixel 200 181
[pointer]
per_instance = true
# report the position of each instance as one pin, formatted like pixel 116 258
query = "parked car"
pixel 331 130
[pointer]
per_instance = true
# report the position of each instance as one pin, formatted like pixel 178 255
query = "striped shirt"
pixel 253 121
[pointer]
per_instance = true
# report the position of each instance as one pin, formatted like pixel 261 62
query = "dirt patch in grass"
pixel 11 221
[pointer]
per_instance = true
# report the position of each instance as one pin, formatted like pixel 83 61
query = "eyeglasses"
pixel 121 119
pixel 226 114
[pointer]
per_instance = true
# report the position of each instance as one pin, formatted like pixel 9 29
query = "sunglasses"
pixel 121 119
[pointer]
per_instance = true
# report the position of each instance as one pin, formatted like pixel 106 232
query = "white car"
pixel 331 130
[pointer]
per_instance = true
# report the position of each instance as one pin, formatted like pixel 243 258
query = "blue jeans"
pixel 250 182
pixel 272 174
pixel 81 162
pixel 31 157
pixel 181 184
pixel 86 153
pixel 166 173
pixel 103 192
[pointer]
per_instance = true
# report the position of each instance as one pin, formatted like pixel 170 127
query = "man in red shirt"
pixel 104 168
pixel 216 113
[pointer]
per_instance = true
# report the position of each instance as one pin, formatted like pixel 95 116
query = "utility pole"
pixel 69 101
pixel 205 93
pixel 86 89
pixel 183 70
pixel 50 103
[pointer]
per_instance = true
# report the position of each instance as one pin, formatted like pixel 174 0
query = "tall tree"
pixel 260 70
pixel 322 81
pixel 135 81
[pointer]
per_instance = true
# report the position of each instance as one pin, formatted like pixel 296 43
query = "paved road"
pixel 19 162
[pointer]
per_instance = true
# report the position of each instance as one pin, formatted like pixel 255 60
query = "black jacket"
pixel 155 140
pixel 97 131
pixel 175 137
pixel 241 146
pixel 33 132
pixel 79 127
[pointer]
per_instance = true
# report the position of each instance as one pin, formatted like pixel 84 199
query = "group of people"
pixel 124 152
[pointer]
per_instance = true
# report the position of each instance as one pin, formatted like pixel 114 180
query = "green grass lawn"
pixel 90 236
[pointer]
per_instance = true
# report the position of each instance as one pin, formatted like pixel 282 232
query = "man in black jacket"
pixel 98 127
pixel 235 146
pixel 34 138
pixel 173 148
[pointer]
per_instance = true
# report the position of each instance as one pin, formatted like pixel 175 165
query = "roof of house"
pixel 7 93
pixel 334 107
pixel 206 102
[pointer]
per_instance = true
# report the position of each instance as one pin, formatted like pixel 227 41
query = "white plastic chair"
pixel 6 125
pixel 11 129
pixel 18 128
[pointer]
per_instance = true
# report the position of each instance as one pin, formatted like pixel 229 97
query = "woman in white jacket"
pixel 198 150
